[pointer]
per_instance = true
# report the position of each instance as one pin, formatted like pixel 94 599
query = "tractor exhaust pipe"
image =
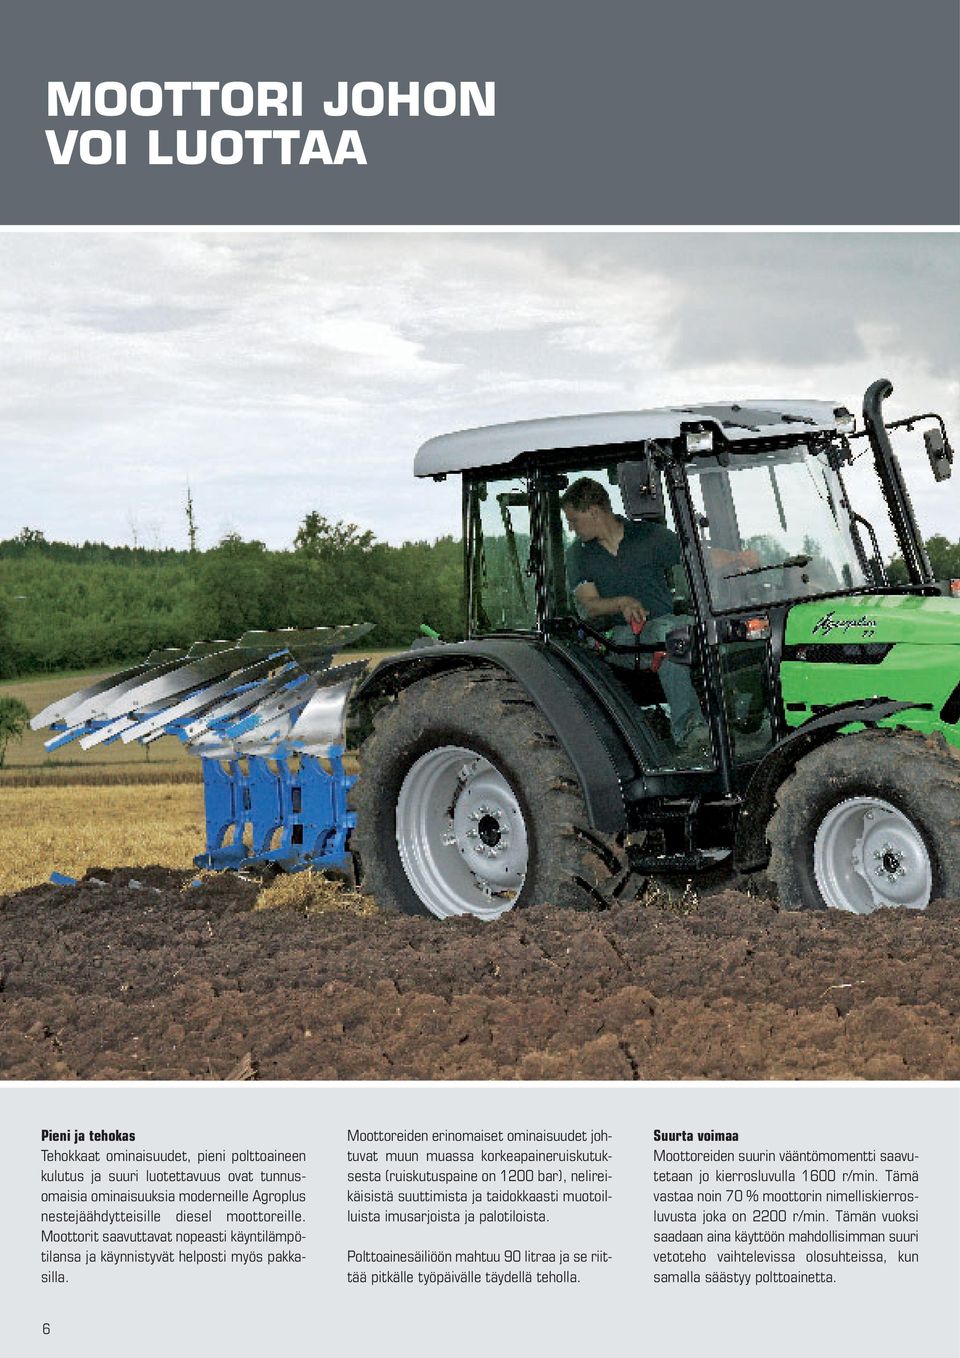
pixel 893 485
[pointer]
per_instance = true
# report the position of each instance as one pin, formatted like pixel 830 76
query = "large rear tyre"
pixel 467 806
pixel 867 821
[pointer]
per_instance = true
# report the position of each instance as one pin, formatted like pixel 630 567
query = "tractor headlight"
pixel 846 423
pixel 699 440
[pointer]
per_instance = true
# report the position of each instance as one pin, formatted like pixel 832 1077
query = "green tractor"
pixel 755 694
pixel 536 762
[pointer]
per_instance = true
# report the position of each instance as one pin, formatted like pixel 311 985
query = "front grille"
pixel 838 652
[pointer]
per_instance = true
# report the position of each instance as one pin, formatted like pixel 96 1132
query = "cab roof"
pixel 497 445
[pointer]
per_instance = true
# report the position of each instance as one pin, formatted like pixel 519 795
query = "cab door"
pixel 631 666
pixel 728 532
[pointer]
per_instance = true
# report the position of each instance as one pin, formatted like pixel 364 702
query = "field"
pixel 147 971
pixel 142 975
pixel 53 828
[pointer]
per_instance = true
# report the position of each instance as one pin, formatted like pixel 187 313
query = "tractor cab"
pixel 726 517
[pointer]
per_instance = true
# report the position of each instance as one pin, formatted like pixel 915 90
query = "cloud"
pixel 148 319
pixel 281 372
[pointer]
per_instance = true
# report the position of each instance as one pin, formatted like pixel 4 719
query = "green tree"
pixel 13 722
pixel 237 588
pixel 80 605
pixel 321 537
pixel 8 663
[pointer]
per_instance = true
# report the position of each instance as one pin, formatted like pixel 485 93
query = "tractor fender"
pixel 595 748
pixel 751 851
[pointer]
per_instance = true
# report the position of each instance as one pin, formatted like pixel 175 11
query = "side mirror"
pixel 940 454
pixel 641 489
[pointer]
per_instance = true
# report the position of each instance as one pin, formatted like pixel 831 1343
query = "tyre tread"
pixel 583 869
pixel 911 763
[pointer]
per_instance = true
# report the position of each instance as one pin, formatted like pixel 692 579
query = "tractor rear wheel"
pixel 467 806
pixel 866 821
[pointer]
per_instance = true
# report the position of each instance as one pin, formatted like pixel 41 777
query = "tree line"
pixel 65 606
pixel 944 561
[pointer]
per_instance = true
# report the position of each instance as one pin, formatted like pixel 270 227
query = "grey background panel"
pixel 106 1311
pixel 749 112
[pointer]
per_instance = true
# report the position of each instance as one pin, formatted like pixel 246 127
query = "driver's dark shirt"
pixel 646 553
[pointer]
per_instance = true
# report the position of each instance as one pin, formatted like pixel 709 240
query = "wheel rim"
pixel 867 854
pixel 461 834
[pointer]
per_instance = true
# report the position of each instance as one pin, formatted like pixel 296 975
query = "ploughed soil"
pixel 168 980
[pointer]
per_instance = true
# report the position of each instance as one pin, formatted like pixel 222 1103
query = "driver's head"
pixel 586 505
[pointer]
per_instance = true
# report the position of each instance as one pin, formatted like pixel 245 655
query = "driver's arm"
pixel 594 606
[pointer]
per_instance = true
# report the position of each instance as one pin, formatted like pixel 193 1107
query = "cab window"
pixel 636 493
pixel 502 592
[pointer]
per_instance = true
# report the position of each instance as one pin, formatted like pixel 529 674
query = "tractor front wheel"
pixel 467 806
pixel 866 821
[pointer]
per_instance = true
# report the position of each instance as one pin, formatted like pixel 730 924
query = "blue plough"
pixel 266 716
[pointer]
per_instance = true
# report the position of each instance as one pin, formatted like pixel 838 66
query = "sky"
pixel 278 373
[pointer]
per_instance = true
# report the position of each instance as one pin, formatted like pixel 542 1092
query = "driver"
pixel 617 572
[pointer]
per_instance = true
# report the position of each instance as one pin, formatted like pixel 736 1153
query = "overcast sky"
pixel 285 372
